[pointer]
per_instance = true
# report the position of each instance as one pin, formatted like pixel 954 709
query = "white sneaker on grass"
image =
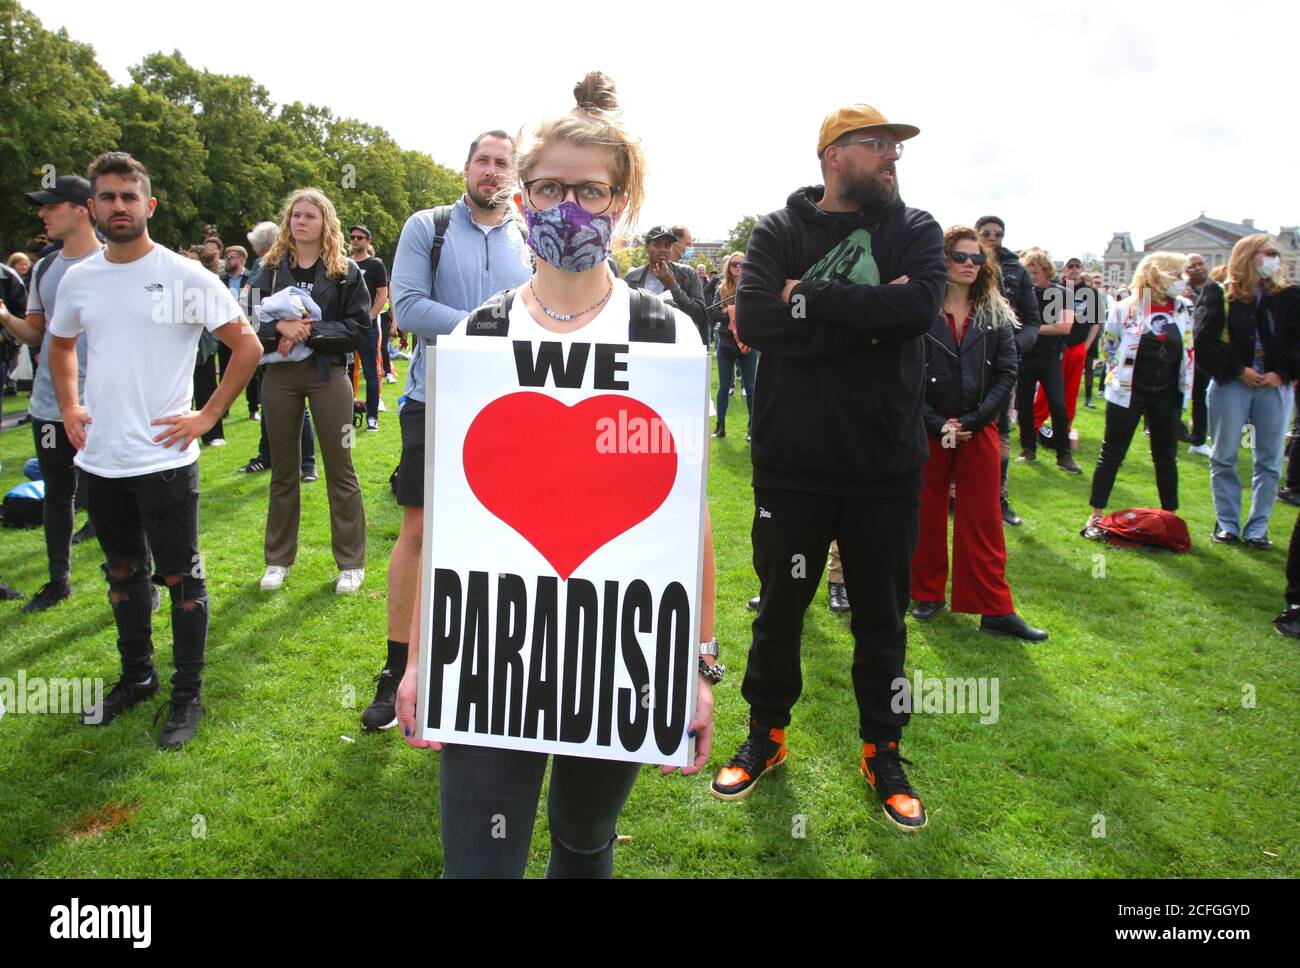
pixel 274 578
pixel 1202 450
pixel 382 408
pixel 349 581
pixel 390 378
pixel 219 442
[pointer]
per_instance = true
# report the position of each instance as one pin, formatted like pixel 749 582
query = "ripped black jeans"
pixel 489 802
pixel 158 513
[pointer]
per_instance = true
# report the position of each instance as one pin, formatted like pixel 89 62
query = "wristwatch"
pixel 715 672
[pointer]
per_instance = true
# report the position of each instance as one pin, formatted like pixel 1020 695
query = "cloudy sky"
pixel 1070 124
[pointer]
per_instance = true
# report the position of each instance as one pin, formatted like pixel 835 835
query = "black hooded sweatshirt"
pixel 838 400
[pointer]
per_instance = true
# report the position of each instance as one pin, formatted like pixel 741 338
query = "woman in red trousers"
pixel 970 369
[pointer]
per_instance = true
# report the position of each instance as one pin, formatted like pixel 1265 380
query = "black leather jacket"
pixel 1019 290
pixel 971 382
pixel 344 308
pixel 1276 318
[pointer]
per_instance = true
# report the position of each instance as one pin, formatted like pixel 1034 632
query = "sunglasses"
pixel 978 258
pixel 360 238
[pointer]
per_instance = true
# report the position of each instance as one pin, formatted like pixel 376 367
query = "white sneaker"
pixel 390 378
pixel 349 581
pixel 274 578
pixel 1202 450
pixel 382 408
pixel 219 442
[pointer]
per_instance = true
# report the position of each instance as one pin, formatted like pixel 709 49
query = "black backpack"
pixel 650 318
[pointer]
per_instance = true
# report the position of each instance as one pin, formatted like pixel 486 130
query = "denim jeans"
pixel 747 364
pixel 489 803
pixel 54 452
pixel 158 513
pixel 369 353
pixel 1266 410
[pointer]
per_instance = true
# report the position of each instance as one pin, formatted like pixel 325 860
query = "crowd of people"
pixel 883 363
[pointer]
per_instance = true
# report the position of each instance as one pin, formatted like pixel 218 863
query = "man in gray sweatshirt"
pixel 482 252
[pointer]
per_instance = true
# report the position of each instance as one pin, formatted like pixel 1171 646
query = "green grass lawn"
pixel 1132 711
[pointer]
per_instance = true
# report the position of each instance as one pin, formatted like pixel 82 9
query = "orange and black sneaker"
pixel 763 749
pixel 883 768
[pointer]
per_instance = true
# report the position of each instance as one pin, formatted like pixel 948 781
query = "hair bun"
pixel 595 92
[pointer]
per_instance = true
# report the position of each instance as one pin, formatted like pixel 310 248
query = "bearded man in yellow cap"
pixel 837 293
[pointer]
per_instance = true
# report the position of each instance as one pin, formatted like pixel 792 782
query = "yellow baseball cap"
pixel 856 117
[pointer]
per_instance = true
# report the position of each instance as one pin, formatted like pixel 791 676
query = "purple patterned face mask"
pixel 569 237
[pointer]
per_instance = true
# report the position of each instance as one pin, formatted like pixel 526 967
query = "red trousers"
pixel 979 549
pixel 1072 371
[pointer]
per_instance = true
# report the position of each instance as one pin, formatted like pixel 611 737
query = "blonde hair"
pixel 18 257
pixel 594 120
pixel 727 288
pixel 1041 259
pixel 333 251
pixel 1243 280
pixel 1154 274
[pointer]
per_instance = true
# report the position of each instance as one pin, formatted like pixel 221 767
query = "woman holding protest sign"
pixel 581 175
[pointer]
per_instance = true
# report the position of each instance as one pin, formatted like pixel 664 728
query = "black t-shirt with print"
pixel 1051 302
pixel 304 278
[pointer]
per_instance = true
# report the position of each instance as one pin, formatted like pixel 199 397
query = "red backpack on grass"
pixel 1147 526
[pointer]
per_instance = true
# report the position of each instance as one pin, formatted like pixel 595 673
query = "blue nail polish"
pixel 690 733
pixel 406 730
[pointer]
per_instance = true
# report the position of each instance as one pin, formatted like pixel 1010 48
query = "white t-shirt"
pixel 610 325
pixel 142 322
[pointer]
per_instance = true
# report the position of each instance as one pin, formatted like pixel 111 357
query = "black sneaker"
pixel 372 425
pixel 925 611
pixel 763 749
pixel 8 594
pixel 382 711
pixel 51 594
pixel 1068 464
pixel 120 698
pixel 255 466
pixel 837 597
pixel 85 533
pixel 1009 515
pixel 182 722
pixel 309 474
pixel 1027 457
pixel 1288 623
pixel 883 768
pixel 752 604
pixel 1289 495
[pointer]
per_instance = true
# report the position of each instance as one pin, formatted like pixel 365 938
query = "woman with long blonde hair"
pixel 732 353
pixel 306 363
pixel 970 362
pixel 1247 333
pixel 1147 345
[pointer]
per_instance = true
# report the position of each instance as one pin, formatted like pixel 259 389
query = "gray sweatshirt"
pixel 473 265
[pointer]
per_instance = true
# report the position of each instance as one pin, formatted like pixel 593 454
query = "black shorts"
pixel 410 470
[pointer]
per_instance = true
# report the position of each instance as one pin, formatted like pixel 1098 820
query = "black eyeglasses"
pixel 979 258
pixel 594 197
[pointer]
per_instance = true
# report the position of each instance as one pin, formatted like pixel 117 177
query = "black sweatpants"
pixel 1293 567
pixel 877 537
pixel 54 452
pixel 1121 423
pixel 1047 371
pixel 1200 415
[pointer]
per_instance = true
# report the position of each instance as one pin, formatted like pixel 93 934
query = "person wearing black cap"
pixel 838 290
pixel 662 275
pixel 376 276
pixel 1019 292
pixel 65 212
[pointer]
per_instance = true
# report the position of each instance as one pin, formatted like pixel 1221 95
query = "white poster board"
pixel 563 551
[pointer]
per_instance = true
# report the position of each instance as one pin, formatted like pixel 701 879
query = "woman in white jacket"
pixel 1147 344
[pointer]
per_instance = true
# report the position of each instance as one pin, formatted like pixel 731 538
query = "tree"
pixel 738 239
pixel 50 91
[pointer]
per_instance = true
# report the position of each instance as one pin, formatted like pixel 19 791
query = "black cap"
pixel 658 232
pixel 984 220
pixel 353 228
pixel 67 188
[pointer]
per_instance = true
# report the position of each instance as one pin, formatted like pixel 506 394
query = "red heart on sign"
pixel 569 480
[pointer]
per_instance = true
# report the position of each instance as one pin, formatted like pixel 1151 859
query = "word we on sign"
pixel 564 546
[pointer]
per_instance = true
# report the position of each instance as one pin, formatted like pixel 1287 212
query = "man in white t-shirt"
pixel 142 309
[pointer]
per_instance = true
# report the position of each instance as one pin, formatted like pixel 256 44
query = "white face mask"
pixel 1269 266
pixel 1176 287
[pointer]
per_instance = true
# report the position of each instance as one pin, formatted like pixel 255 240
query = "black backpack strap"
pixel 651 320
pixel 493 317
pixel 441 219
pixel 38 274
